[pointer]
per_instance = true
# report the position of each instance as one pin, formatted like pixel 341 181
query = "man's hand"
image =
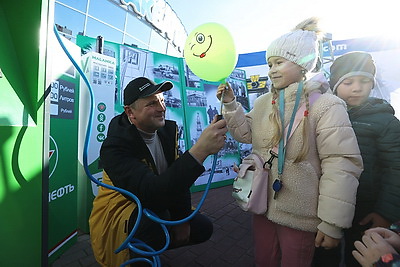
pixel 325 241
pixel 211 140
pixel 371 249
pixel 180 234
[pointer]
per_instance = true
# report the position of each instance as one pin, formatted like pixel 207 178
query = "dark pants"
pixel 201 229
pixel 343 253
pixel 351 235
pixel 327 257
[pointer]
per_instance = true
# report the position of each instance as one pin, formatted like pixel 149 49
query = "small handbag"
pixel 250 187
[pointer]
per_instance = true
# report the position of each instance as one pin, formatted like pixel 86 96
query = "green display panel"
pixel 167 68
pixel 201 105
pixel 63 149
pixel 23 185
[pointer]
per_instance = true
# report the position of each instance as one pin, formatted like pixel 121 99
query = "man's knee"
pixel 201 229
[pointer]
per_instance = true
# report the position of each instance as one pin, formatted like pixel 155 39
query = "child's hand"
pixel 371 249
pixel 388 235
pixel 325 241
pixel 235 167
pixel 229 96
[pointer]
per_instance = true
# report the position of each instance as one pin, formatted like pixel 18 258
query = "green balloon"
pixel 210 52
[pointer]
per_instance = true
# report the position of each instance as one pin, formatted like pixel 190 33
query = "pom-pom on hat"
pixel 351 64
pixel 299 46
pixel 142 87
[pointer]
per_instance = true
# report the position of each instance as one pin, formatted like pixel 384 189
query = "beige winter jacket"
pixel 319 192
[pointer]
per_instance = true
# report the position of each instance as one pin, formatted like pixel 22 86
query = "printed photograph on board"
pixel 177 115
pixel 213 104
pixel 173 97
pixel 196 98
pixel 166 67
pixel 237 80
pixel 191 79
pixel 134 63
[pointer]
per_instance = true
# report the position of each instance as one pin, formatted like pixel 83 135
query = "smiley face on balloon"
pixel 210 52
pixel 202 45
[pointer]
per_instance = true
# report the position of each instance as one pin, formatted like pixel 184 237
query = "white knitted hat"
pixel 299 46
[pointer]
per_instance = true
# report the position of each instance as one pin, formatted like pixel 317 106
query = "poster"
pixel 167 68
pixel 201 107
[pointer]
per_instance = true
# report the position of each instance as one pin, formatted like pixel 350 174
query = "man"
pixel 140 155
pixel 210 113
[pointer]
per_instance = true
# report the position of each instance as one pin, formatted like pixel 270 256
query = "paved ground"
pixel 230 244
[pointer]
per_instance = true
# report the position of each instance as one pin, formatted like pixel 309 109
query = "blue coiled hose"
pixel 135 245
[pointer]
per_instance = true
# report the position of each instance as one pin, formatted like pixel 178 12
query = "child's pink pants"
pixel 276 245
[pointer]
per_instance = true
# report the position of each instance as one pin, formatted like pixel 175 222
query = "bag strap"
pixel 299 116
pixel 258 161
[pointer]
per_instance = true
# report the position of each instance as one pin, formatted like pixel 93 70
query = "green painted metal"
pixel 22 87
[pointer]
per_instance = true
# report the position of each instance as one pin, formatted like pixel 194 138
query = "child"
pixel 377 131
pixel 322 160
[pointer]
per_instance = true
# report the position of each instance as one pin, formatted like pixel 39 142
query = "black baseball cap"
pixel 142 87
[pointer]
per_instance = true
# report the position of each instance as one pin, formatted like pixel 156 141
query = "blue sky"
pixel 255 23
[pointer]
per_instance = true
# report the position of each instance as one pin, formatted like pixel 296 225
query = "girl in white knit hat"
pixel 313 182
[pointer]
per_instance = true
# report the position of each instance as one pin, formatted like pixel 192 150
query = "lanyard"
pixel 277 185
